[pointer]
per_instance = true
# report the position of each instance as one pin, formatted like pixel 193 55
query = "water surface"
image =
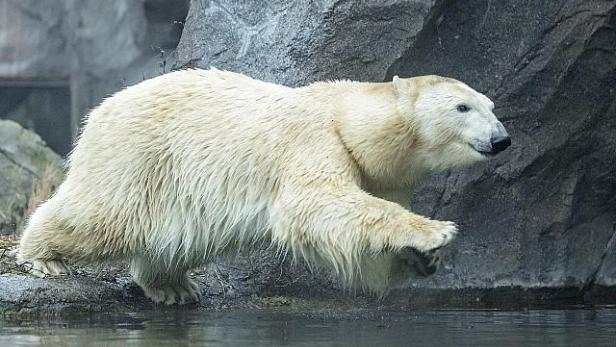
pixel 570 327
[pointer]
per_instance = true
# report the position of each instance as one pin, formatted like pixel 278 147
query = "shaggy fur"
pixel 179 169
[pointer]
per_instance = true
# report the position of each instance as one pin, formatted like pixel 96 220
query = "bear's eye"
pixel 463 108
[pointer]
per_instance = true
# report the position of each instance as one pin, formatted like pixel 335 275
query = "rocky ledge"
pixel 254 282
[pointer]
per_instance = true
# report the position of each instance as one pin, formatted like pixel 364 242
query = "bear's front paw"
pixel 434 235
pixel 418 263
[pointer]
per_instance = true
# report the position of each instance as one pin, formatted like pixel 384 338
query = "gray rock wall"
pixel 302 41
pixel 541 215
pixel 544 213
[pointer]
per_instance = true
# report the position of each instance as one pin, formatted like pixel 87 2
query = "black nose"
pixel 500 143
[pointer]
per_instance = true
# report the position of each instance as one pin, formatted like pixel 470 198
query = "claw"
pixel 425 264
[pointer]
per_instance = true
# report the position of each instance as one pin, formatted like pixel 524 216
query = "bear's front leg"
pixel 410 262
pixel 340 225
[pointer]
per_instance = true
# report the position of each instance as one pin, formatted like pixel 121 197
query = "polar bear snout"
pixel 500 139
pixel 500 143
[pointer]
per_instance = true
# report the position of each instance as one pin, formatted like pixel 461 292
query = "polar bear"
pixel 174 171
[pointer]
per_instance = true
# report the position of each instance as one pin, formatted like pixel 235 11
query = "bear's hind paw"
pixel 46 267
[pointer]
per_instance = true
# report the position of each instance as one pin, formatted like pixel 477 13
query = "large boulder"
pixel 25 160
pixel 540 215
pixel 298 42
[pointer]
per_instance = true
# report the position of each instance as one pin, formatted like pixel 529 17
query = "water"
pixel 571 327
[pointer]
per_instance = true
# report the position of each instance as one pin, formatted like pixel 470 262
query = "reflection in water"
pixel 266 328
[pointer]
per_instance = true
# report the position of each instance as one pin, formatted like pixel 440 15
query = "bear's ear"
pixel 398 85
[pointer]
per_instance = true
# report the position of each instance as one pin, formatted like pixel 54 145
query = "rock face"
pixel 23 161
pixel 542 214
pixel 298 42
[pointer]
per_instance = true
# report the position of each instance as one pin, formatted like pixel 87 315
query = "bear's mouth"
pixel 488 154
pixel 485 152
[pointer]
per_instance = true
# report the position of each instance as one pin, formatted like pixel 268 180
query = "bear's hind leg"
pixel 170 287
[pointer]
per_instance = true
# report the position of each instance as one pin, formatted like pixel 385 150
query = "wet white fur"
pixel 179 169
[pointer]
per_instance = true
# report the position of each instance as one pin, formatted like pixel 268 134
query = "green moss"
pixel 274 301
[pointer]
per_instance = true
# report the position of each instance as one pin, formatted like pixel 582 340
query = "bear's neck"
pixel 382 141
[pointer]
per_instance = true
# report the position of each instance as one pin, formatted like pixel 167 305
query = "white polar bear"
pixel 179 169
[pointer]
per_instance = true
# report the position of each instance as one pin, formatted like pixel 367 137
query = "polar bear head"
pixel 453 122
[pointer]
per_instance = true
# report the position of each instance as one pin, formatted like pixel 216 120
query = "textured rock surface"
pixel 298 42
pixel 23 294
pixel 543 213
pixel 253 281
pixel 23 160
